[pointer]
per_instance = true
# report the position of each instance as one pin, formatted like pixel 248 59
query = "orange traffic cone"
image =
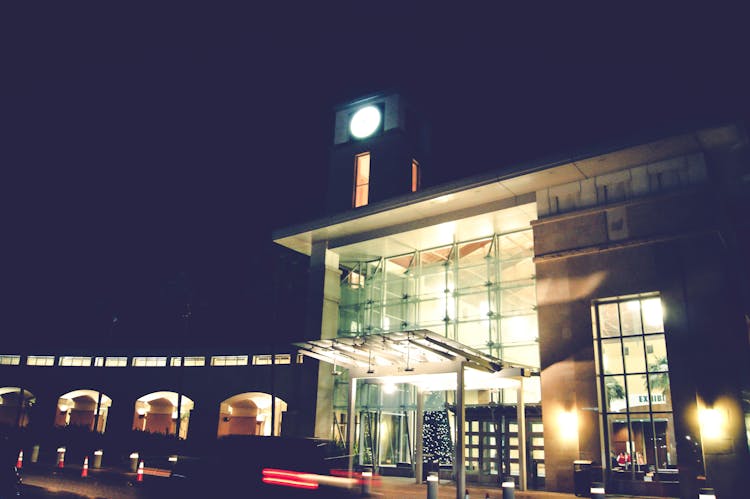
pixel 85 469
pixel 19 463
pixel 139 478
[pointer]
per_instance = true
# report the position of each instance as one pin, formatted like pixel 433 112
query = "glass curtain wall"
pixel 481 293
pixel 633 375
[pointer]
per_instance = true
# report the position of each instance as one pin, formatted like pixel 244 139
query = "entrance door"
pixel 393 440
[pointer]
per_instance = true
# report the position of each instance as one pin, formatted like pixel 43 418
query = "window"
pixel 68 361
pixel 262 360
pixel 116 362
pixel 149 361
pixel 361 179
pixel 633 374
pixel 300 358
pixel 283 358
pixel 10 360
pixel 266 359
pixel 229 360
pixel 189 361
pixel 416 177
pixel 99 362
pixel 40 360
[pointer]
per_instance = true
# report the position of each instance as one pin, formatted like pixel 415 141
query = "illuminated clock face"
pixel 365 122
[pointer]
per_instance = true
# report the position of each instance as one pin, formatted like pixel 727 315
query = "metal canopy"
pixel 402 353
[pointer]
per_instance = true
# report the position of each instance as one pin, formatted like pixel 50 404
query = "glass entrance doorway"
pixel 384 439
pixel 492 445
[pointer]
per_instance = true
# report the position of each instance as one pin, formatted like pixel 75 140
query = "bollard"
pixel 61 457
pixel 432 485
pixel 35 453
pixel 706 493
pixel 134 462
pixel 597 490
pixel 509 488
pixel 367 482
pixel 97 461
pixel 85 469
pixel 466 494
pixel 19 462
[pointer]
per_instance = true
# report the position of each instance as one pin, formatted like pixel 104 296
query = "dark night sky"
pixel 144 147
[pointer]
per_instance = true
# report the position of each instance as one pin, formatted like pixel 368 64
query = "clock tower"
pixel 380 148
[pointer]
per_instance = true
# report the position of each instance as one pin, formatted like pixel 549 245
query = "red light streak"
pixel 289 479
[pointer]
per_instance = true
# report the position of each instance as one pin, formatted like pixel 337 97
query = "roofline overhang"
pixel 301 237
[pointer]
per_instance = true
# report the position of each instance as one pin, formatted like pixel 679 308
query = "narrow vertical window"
pixel 415 175
pixel 361 179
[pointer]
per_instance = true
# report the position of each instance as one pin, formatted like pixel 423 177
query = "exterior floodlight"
pixel 365 122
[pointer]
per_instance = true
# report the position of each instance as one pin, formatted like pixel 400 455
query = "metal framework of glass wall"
pixel 633 375
pixel 481 293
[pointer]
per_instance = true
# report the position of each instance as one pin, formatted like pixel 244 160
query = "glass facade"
pixel 633 372
pixel 480 292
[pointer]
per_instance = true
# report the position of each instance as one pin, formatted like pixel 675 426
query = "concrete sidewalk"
pixel 405 488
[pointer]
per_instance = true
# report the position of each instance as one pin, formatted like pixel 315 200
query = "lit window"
pixel 116 362
pixel 633 373
pixel 361 179
pixel 189 361
pixel 283 358
pixel 149 361
pixel 416 177
pixel 229 360
pixel 195 361
pixel 261 360
pixel 40 360
pixel 10 360
pixel 68 361
pixel 300 358
pixel 99 362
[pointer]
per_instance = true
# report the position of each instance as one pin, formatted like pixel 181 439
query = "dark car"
pixel 262 466
pixel 10 482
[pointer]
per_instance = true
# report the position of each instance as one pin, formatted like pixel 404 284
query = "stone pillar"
pixel 322 322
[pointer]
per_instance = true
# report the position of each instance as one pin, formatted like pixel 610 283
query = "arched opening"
pixel 249 414
pixel 15 406
pixel 83 408
pixel 157 413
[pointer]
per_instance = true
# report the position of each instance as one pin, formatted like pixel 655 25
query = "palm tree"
pixel 615 391
pixel 658 378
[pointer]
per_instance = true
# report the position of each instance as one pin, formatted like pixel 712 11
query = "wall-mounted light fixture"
pixel 64 408
pixel 712 422
pixel 567 421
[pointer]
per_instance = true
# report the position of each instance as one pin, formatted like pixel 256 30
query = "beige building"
pixel 588 309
